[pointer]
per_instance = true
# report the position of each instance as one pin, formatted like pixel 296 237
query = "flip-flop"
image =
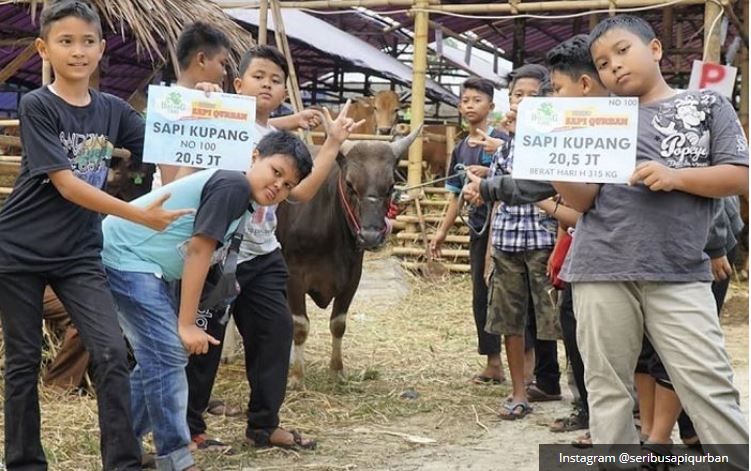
pixel 482 379
pixel 514 410
pixel 261 438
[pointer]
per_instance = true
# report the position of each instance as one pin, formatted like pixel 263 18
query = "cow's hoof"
pixel 337 376
pixel 295 383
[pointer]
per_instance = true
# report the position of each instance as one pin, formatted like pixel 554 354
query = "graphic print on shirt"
pixel 684 123
pixel 89 156
pixel 261 225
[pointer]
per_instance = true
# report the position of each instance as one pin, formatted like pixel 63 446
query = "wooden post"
pixel 46 68
pixel 9 70
pixel 712 27
pixel 263 19
pixel 519 34
pixel 293 87
pixel 419 64
pixel 450 142
pixel 593 20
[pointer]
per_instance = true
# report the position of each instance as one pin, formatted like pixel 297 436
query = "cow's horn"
pixel 400 146
pixel 346 147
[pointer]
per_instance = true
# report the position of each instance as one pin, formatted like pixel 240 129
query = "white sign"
pixel 185 127
pixel 576 139
pixel 717 77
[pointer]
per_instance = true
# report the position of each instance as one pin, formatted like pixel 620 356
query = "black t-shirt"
pixel 468 155
pixel 39 229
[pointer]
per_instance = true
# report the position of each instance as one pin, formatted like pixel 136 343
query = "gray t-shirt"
pixel 259 237
pixel 635 234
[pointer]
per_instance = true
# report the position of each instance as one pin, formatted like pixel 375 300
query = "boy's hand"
pixel 478 170
pixel 509 120
pixel 208 87
pixel 655 176
pixel 157 218
pixel 195 340
pixel 435 244
pixel 340 129
pixel 471 191
pixel 721 268
pixel 489 144
pixel 308 119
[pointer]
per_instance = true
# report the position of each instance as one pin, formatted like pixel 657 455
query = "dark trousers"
pixel 547 372
pixel 265 325
pixel 84 293
pixel 487 344
pixel 72 361
pixel 568 326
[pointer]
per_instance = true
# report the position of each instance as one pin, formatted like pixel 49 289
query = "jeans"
pixel 158 384
pixel 84 293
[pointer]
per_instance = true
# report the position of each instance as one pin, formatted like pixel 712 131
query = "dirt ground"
pixel 404 403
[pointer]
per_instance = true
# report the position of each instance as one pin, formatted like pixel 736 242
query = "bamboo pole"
pixel 46 67
pixel 334 4
pixel 263 19
pixel 712 27
pixel 744 75
pixel 9 70
pixel 549 6
pixel 283 44
pixel 419 65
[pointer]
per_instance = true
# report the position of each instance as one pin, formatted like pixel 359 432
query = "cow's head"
pixel 386 106
pixel 366 183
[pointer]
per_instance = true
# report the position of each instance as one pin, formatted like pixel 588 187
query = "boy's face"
pixel 73 47
pixel 565 86
pixel 475 105
pixel 523 87
pixel 272 178
pixel 626 65
pixel 213 68
pixel 264 80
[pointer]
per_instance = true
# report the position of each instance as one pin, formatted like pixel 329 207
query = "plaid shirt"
pixel 516 228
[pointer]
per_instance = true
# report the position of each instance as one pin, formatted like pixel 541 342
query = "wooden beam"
pixel 667 28
pixel 519 35
pixel 546 6
pixel 17 41
pixel 46 67
pixel 283 44
pixel 17 62
pixel 263 19
pixel 712 26
pixel 740 26
pixel 744 76
pixel 419 65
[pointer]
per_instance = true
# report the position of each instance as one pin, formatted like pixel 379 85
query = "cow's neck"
pixel 349 226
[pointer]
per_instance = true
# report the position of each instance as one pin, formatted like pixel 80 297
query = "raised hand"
pixel 340 128
pixel 308 119
pixel 158 218
pixel 488 143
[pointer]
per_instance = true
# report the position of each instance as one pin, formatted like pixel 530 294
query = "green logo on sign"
pixel 545 115
pixel 173 103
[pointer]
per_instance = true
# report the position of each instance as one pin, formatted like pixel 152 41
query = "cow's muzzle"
pixel 371 239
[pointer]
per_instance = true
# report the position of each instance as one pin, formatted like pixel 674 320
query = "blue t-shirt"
pixel 468 155
pixel 220 198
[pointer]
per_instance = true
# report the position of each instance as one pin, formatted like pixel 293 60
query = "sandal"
pixel 204 443
pixel 656 450
pixel 514 410
pixel 219 407
pixel 582 441
pixel 482 379
pixel 261 438
pixel 535 394
pixel 576 421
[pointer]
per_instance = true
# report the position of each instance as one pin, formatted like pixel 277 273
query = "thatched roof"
pixel 141 36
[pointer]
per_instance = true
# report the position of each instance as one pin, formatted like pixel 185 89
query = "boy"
pixel 635 265
pixel 261 312
pixel 140 264
pixel 476 153
pixel 50 234
pixel 202 56
pixel 521 247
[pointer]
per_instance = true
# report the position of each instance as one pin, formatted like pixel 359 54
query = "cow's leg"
pixel 338 322
pixel 301 327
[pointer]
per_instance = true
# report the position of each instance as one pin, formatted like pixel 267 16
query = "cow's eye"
pixel 351 187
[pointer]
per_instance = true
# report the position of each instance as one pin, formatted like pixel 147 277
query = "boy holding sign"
pixel 635 265
pixel 50 233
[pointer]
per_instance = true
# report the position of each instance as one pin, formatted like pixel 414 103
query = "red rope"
pixel 352 220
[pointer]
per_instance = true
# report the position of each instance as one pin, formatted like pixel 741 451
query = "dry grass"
pixel 424 343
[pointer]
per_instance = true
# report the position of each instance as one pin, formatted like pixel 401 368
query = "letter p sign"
pixel 720 78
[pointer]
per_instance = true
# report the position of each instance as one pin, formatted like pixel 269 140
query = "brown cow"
pixel 324 240
pixel 379 111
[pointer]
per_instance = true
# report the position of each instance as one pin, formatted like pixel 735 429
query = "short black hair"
pixel 546 88
pixel 57 10
pixel 482 85
pixel 286 143
pixel 197 37
pixel 572 57
pixel 533 71
pixel 264 52
pixel 632 24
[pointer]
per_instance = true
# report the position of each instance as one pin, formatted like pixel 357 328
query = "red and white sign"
pixel 717 77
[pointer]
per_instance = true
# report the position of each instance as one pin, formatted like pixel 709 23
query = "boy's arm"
pixel 75 190
pixel 711 182
pixel 448 221
pixel 510 191
pixel 580 196
pixel 197 261
pixel 566 216
pixel 305 119
pixel 337 131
